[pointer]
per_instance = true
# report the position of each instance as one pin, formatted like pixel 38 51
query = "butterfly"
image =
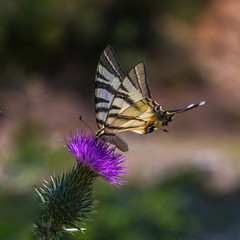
pixel 123 102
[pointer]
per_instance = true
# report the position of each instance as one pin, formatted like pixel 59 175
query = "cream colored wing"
pixel 119 98
pixel 138 77
pixel 109 77
pixel 134 106
pixel 134 118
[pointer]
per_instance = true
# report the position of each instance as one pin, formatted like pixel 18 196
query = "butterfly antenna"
pixel 80 118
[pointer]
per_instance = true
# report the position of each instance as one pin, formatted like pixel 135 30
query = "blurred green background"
pixel 183 184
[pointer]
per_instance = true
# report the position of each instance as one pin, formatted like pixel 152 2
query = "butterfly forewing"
pixel 108 79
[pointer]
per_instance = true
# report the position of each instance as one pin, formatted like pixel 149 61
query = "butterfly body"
pixel 123 101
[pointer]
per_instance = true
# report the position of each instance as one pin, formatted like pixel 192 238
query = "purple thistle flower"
pixel 96 155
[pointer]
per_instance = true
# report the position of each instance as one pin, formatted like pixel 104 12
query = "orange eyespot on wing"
pixel 149 128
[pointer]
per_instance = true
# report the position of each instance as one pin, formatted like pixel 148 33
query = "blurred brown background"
pixel 49 51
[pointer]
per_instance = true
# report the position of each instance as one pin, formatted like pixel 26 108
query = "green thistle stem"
pixel 65 201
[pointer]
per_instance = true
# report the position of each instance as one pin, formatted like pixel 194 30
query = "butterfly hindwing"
pixel 138 76
pixel 129 99
pixel 131 119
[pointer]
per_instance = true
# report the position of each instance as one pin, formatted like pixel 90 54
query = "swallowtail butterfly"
pixel 123 101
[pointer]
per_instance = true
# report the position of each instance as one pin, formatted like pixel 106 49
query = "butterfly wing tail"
pixel 168 115
pixel 189 107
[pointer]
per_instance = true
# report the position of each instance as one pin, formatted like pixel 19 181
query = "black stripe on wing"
pixel 115 115
pixel 147 88
pixel 120 128
pixel 100 76
pixel 109 61
pixel 106 109
pixel 105 86
pixel 125 97
pixel 100 122
pixel 100 100
pixel 124 88
pixel 138 77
